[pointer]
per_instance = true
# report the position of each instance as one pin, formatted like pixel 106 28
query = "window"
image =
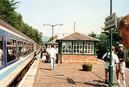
pixel 77 47
pixel 11 49
pixel 89 47
pixel 1 51
pixel 67 47
pixel 11 42
pixel 20 47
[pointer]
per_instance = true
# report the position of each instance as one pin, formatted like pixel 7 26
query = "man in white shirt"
pixel 115 60
pixel 52 52
pixel 1 56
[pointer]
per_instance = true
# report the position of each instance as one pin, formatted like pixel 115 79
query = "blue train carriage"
pixel 16 51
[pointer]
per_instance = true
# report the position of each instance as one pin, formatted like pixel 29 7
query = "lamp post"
pixel 111 66
pixel 53 27
pixel 110 23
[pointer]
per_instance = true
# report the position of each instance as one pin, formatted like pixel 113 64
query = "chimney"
pixel 56 36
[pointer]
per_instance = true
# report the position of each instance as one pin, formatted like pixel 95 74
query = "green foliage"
pixel 51 39
pixel 8 14
pixel 92 34
pixel 104 44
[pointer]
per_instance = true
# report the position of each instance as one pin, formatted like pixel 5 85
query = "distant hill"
pixel 45 38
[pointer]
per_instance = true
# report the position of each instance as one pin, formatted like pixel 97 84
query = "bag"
pixel 107 58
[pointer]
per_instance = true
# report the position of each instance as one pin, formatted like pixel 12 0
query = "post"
pixel 52 31
pixel 111 66
pixel 52 27
pixel 74 27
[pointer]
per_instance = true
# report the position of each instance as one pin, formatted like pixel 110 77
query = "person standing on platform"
pixel 41 52
pixel 121 66
pixel 115 61
pixel 52 52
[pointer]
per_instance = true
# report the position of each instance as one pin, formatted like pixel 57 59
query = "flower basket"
pixel 87 67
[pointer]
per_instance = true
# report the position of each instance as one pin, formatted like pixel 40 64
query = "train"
pixel 16 51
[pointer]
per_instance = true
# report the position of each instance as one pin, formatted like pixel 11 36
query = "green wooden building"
pixel 77 48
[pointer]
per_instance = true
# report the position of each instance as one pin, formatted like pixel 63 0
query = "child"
pixel 43 58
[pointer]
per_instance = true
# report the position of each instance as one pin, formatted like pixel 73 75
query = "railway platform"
pixel 66 75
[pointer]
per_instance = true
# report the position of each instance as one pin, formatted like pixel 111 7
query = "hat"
pixel 120 45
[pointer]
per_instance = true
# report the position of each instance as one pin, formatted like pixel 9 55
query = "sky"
pixel 89 15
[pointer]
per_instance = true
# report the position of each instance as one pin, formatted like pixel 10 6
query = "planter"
pixel 86 68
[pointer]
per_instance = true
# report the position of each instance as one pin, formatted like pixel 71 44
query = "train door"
pixel 1 51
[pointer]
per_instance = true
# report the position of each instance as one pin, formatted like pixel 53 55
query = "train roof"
pixel 10 27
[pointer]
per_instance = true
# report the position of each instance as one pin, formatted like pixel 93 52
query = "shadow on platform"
pixel 95 85
pixel 45 69
pixel 71 81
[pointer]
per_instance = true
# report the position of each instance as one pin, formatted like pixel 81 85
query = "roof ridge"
pixel 78 36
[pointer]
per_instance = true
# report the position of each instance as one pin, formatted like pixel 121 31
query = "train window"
pixel 20 48
pixel 1 51
pixel 11 49
pixel 11 42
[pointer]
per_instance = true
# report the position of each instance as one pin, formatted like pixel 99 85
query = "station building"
pixel 77 48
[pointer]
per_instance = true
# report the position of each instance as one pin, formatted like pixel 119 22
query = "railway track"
pixel 19 77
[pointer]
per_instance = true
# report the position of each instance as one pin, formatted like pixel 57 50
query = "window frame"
pixel 68 47
pixel 90 47
pixel 77 45
pixel 12 45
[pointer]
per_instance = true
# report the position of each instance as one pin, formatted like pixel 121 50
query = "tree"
pixel 104 40
pixel 92 34
pixel 8 14
pixel 51 39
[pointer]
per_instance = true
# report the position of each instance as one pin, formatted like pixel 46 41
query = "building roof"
pixel 78 36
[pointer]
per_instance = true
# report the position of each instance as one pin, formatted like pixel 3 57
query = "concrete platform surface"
pixel 71 75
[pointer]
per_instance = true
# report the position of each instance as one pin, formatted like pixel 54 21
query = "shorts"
pixel 121 67
pixel 107 66
pixel 107 69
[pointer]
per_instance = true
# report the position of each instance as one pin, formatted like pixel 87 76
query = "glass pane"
pixel 9 41
pixel 66 47
pixel 11 53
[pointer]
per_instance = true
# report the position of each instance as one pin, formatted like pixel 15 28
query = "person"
pixel 23 51
pixel 35 56
pixel 41 52
pixel 1 56
pixel 124 30
pixel 52 52
pixel 115 60
pixel 121 66
pixel 44 55
pixel 10 51
pixel 47 55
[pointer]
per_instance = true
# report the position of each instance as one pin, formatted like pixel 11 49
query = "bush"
pixel 87 64
pixel 87 67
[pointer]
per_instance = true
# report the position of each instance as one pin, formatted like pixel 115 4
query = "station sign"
pixel 110 22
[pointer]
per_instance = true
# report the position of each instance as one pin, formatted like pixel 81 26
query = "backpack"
pixel 107 57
